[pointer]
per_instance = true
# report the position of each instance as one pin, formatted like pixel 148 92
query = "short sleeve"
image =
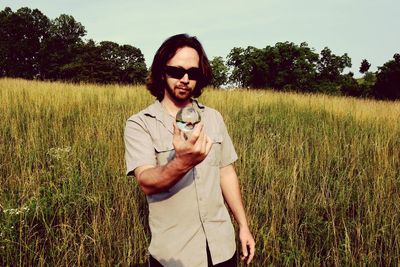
pixel 139 149
pixel 228 153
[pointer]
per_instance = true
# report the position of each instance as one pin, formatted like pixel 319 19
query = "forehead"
pixel 185 57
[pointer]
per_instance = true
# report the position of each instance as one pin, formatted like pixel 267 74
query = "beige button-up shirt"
pixel 192 211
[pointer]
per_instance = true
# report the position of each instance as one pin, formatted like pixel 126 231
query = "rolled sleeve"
pixel 139 149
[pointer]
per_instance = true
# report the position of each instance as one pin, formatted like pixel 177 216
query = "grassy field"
pixel 320 176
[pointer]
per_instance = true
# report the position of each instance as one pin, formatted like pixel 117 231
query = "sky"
pixel 362 29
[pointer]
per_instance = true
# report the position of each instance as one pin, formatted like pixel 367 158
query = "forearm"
pixel 231 192
pixel 160 178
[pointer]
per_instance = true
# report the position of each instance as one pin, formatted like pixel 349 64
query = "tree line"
pixel 34 47
pixel 290 67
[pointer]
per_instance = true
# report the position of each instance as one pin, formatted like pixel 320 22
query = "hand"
pixel 248 245
pixel 192 150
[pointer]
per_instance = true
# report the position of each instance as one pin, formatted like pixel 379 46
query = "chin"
pixel 181 99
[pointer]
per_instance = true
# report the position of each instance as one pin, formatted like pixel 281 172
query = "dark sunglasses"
pixel 178 73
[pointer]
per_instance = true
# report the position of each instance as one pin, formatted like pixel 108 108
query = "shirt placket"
pixel 201 201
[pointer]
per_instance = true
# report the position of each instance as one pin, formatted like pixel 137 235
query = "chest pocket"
pixel 165 151
pixel 214 156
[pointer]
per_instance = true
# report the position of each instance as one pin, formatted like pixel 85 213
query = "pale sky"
pixel 361 28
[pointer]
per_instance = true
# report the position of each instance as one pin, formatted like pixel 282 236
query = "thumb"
pixel 177 132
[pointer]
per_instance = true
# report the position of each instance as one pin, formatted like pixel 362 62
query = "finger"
pixel 198 127
pixel 200 141
pixel 195 134
pixel 177 131
pixel 204 144
pixel 252 251
pixel 209 144
pixel 198 144
pixel 245 253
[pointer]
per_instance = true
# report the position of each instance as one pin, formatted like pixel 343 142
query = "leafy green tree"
pixel 32 46
pixel 256 68
pixel 4 40
pixel 122 63
pixel 364 67
pixel 329 72
pixel 59 51
pixel 21 36
pixel 248 68
pixel 86 63
pixel 362 87
pixel 236 59
pixel 387 84
pixel 290 67
pixel 219 71
pixel 331 66
pixel 110 60
pixel 349 86
pixel 283 66
pixel 132 65
pixel 367 84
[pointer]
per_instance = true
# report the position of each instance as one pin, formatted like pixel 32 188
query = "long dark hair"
pixel 155 82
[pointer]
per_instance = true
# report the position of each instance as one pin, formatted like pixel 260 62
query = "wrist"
pixel 180 165
pixel 244 226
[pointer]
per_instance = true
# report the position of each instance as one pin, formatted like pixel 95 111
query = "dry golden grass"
pixel 320 176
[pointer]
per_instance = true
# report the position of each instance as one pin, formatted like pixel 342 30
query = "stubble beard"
pixel 176 98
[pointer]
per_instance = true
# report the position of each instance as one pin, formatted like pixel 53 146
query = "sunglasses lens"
pixel 174 72
pixel 194 73
pixel 178 73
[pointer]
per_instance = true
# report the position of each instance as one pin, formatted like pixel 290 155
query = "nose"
pixel 185 78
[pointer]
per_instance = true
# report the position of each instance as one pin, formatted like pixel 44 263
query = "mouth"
pixel 183 89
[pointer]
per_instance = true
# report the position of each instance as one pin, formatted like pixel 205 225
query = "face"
pixel 179 90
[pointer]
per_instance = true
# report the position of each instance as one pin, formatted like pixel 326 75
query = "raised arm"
pixel 188 153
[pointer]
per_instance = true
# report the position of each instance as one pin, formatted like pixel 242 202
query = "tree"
pixel 387 84
pixel 21 36
pixel 86 63
pixel 58 55
pixel 364 67
pixel 283 66
pixel 32 46
pixel 219 71
pixel 124 64
pixel 132 65
pixel 237 61
pixel 367 84
pixel 290 66
pixel 349 86
pixel 329 71
pixel 362 87
pixel 331 66
pixel 4 40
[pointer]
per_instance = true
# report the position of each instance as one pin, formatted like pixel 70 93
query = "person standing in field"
pixel 186 180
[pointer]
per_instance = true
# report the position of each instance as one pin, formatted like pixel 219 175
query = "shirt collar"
pixel 156 110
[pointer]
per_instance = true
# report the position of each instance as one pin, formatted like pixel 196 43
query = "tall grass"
pixel 320 176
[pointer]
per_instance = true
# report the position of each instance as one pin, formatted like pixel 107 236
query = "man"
pixel 186 179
